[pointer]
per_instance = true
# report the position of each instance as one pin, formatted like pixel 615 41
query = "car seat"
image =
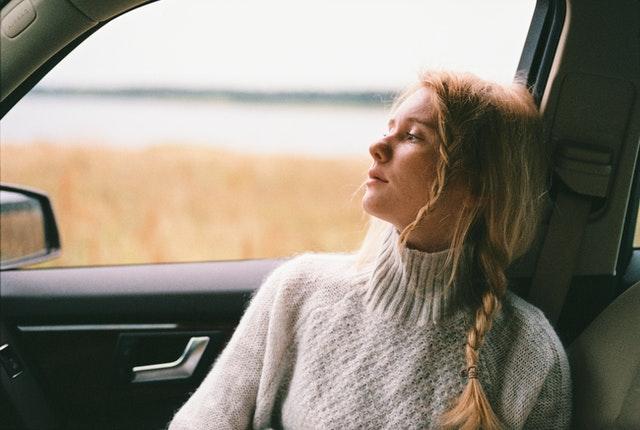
pixel 605 363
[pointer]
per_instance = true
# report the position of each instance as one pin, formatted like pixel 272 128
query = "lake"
pixel 317 129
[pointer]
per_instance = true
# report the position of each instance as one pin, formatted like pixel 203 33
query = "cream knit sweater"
pixel 325 346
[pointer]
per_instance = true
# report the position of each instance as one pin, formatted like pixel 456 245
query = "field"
pixel 177 202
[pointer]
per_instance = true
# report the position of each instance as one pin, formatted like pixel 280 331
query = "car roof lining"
pixel 78 19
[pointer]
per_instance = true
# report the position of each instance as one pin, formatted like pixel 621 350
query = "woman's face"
pixel 403 169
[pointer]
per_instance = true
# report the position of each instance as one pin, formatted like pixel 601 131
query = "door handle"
pixel 181 368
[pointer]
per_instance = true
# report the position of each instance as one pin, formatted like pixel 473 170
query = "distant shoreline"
pixel 302 97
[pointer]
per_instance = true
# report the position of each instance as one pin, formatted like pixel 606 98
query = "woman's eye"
pixel 412 137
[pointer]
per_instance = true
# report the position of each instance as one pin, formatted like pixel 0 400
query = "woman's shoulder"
pixel 313 275
pixel 533 362
pixel 314 267
pixel 308 281
pixel 529 318
pixel 312 261
pixel 530 335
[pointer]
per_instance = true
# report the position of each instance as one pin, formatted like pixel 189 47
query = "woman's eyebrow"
pixel 422 122
pixel 428 124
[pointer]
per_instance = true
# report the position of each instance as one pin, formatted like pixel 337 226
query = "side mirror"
pixel 28 230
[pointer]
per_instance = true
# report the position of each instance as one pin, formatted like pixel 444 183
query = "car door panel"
pixel 79 332
pixel 182 291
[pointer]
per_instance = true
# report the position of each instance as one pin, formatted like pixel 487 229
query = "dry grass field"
pixel 176 202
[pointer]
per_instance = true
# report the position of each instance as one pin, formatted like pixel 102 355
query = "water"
pixel 312 129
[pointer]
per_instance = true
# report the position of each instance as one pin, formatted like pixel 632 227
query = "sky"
pixel 330 45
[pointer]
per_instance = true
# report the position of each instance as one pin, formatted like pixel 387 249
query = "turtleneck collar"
pixel 411 285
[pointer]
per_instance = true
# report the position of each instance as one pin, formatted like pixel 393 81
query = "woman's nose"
pixel 380 151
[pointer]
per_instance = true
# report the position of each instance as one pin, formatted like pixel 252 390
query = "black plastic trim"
pixel 626 264
pixel 541 44
pixel 27 85
pixel 216 291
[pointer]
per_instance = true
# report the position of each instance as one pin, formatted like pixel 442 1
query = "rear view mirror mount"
pixel 28 230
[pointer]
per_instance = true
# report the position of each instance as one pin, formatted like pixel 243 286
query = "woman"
pixel 418 329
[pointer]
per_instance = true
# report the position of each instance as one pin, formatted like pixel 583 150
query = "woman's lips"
pixel 373 181
pixel 375 177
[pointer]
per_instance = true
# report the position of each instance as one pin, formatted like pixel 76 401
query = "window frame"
pixel 540 45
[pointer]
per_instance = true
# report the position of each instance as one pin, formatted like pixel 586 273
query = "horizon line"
pixel 219 94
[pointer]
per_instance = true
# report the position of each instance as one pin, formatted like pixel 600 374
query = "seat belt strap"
pixel 585 172
pixel 558 257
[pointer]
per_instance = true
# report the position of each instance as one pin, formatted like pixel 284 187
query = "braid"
pixel 472 409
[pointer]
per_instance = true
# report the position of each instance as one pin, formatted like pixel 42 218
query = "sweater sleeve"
pixel 552 408
pixel 226 399
pixel 531 369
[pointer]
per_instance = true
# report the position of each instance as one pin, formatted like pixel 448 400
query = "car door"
pixel 77 334
pixel 106 346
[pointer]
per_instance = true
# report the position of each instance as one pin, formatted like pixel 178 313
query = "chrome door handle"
pixel 181 368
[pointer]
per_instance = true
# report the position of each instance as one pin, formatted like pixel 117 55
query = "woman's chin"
pixel 372 205
pixel 367 202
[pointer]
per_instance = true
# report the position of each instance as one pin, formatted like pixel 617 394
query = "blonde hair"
pixel 489 137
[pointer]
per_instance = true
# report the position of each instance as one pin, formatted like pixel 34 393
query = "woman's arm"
pixel 533 371
pixel 226 399
pixel 552 409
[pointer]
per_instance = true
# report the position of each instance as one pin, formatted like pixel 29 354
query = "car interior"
pixel 124 346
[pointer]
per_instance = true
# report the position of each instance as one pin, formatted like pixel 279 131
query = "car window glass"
pixel 194 131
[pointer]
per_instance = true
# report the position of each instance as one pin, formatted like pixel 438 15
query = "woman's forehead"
pixel 418 107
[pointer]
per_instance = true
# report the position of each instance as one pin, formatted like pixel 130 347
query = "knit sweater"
pixel 323 345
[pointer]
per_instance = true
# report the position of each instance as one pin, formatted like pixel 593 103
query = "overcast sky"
pixel 299 44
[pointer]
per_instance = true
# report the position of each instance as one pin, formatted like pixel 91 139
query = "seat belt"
pixel 584 173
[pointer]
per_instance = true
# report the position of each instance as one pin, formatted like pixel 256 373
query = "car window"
pixel 193 131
